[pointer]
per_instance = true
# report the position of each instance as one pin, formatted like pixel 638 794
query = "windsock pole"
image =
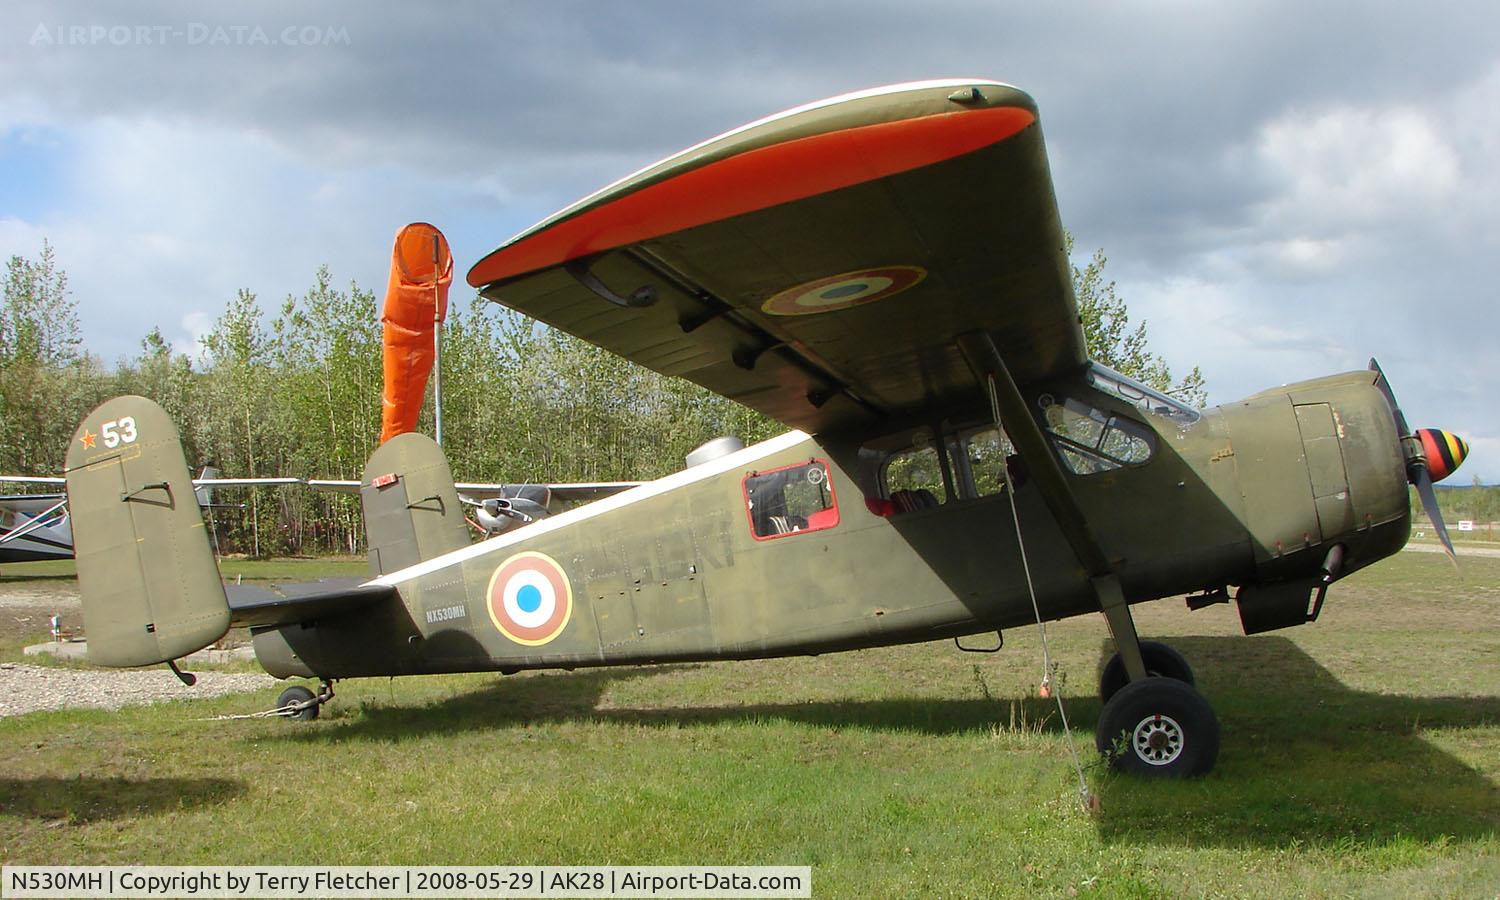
pixel 437 340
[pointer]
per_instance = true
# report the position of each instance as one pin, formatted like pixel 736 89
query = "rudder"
pixel 151 589
pixel 412 511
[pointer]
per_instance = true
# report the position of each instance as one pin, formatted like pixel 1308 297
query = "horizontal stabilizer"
pixel 287 604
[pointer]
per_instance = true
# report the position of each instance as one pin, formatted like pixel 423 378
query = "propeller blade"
pixel 1430 504
pixel 1385 388
pixel 1418 469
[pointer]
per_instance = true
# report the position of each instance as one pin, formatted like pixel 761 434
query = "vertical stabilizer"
pixel 151 590
pixel 412 511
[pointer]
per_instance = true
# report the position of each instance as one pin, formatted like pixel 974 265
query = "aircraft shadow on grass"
pixel 91 799
pixel 1303 757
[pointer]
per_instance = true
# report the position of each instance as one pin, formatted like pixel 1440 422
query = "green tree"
pixel 164 376
pixel 39 321
pixel 523 402
pixel 325 354
pixel 236 421
pixel 1113 342
pixel 46 383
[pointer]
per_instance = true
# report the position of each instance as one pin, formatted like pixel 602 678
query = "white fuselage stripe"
pixel 650 489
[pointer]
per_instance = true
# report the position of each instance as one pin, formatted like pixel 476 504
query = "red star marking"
pixel 87 440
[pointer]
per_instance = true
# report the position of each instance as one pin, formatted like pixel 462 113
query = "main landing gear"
pixel 1155 724
pixel 297 702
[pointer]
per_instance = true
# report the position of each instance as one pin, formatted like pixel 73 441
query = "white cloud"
pixel 1360 163
pixel 1353 178
pixel 194 327
pixel 168 219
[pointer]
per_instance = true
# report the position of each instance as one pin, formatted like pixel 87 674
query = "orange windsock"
pixel 416 300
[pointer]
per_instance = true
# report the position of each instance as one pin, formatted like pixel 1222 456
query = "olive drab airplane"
pixel 885 273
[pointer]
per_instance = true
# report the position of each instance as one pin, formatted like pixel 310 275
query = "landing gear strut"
pixel 1154 722
pixel 297 702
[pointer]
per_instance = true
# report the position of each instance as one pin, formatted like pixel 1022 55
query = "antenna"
pixel 437 337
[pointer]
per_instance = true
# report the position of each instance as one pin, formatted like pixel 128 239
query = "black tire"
pixel 1162 661
pixel 299 694
pixel 1159 728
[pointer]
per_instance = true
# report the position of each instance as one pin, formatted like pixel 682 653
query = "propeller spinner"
pixel 1444 451
pixel 1431 455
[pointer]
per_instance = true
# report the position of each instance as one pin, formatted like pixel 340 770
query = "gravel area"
pixel 58 594
pixel 25 689
pixel 25 607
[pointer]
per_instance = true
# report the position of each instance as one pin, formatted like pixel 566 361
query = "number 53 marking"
pixel 120 431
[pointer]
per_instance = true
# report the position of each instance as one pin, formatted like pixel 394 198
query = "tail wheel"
pixel 1161 661
pixel 297 694
pixel 1159 728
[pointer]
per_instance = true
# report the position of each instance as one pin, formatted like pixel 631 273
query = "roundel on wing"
pixel 529 598
pixel 844 290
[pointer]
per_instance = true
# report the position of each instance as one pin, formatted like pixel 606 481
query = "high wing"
pixel 818 265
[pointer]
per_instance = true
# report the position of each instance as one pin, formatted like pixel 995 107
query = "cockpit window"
pixel 791 500
pixel 1091 440
pixel 913 478
pixel 989 451
pixel 1147 398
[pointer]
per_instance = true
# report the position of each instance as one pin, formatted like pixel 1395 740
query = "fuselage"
pixel 810 544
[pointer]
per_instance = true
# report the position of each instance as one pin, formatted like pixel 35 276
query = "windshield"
pixel 1147 398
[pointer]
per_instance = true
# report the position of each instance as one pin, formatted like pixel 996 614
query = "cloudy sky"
pixel 1283 189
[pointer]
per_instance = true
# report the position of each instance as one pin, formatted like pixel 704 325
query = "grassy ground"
pixel 1361 756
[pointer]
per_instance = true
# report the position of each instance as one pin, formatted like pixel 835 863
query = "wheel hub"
pixel 1157 740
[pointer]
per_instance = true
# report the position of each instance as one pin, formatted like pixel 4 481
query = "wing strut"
pixel 1013 417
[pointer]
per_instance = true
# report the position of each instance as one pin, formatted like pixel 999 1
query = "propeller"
pixel 499 514
pixel 1431 455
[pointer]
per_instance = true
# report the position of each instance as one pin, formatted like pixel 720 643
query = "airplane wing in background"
pixel 37 526
pixel 197 482
pixel 576 492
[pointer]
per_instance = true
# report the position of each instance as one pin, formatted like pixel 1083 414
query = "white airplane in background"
pixel 37 526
